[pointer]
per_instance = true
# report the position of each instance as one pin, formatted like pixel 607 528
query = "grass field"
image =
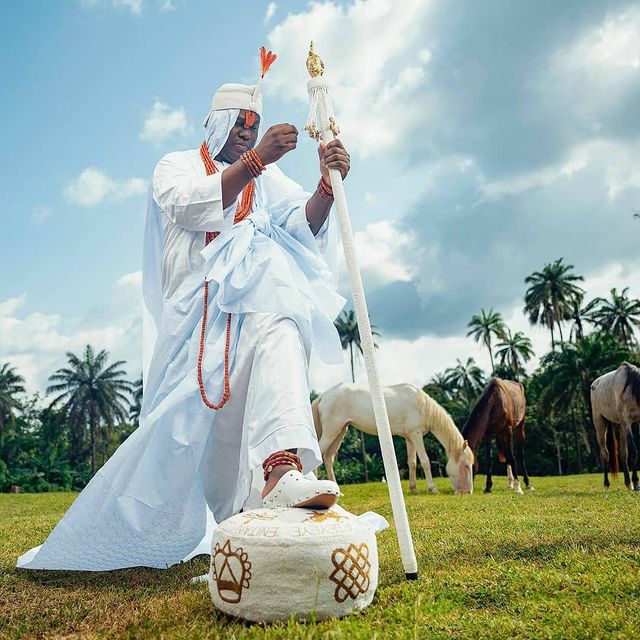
pixel 561 562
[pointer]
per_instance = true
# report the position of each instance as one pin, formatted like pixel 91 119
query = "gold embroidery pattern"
pixel 231 570
pixel 323 516
pixel 251 517
pixel 351 573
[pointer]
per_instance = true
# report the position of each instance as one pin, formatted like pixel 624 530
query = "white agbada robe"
pixel 147 506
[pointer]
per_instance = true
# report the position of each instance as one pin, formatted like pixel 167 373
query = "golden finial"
pixel 315 66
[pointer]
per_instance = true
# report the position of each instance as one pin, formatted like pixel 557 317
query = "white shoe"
pixel 296 490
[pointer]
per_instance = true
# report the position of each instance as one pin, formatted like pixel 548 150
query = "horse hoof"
pixel 433 490
pixel 628 485
pixel 519 491
pixel 487 490
pixel 413 490
pixel 636 486
pixel 530 487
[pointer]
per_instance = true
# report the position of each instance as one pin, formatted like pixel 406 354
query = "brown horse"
pixel 499 413
pixel 615 400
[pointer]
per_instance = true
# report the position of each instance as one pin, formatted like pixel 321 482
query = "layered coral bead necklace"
pixel 242 211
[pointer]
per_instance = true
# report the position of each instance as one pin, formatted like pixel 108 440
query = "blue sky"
pixel 487 139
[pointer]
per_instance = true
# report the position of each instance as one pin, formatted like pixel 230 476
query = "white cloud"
pixel 369 50
pixel 596 72
pixel 271 9
pixel 382 253
pixel 36 343
pixel 612 47
pixel 162 122
pixel 11 305
pixel 93 186
pixel 618 162
pixel 41 213
pixel 134 6
pixel 167 5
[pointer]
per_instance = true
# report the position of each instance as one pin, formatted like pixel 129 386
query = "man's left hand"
pixel 333 156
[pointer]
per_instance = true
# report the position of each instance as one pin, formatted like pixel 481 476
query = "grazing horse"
pixel 615 399
pixel 412 414
pixel 500 413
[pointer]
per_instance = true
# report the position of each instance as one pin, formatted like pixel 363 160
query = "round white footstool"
pixel 270 564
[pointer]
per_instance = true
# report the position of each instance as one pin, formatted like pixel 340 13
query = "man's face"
pixel 241 139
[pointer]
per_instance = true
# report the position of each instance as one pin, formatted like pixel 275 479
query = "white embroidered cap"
pixel 237 96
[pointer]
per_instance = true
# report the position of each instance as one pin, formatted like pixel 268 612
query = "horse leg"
pixel 519 435
pixel 634 458
pixel 509 477
pixel 425 463
pixel 624 453
pixel 411 461
pixel 601 435
pixel 511 460
pixel 489 484
pixel 329 455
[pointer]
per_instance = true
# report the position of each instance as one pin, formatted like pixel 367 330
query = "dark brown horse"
pixel 499 414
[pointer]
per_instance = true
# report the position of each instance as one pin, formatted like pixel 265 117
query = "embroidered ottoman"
pixel 271 564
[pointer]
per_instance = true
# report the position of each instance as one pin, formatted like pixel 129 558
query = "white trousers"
pixel 268 410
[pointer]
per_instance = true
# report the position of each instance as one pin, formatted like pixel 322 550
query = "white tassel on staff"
pixel 321 125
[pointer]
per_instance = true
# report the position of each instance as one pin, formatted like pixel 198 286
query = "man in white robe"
pixel 186 466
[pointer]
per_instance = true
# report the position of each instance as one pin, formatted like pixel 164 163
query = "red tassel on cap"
pixel 249 119
pixel 266 59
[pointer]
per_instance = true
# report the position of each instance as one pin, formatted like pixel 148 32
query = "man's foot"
pixel 296 490
pixel 286 486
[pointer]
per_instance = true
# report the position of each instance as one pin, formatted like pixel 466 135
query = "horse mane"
pixel 476 425
pixel 632 381
pixel 439 422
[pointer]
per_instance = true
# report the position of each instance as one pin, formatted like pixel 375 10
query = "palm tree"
pixel 11 384
pixel 440 387
pixel 468 377
pixel 549 298
pixel 514 350
pixel 620 316
pixel 484 327
pixel 136 402
pixel 92 392
pixel 578 314
pixel 347 326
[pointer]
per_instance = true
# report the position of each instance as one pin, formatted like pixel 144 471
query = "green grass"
pixel 561 562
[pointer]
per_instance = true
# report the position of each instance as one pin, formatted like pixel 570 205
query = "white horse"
pixel 615 399
pixel 412 414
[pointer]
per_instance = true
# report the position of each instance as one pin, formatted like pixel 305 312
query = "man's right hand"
pixel 278 140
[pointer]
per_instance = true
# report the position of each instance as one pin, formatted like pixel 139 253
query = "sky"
pixel 487 139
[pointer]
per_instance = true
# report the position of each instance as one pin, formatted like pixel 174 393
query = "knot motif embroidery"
pixel 351 572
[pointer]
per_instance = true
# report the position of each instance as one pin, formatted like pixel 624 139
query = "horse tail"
pixel 612 445
pixel 315 411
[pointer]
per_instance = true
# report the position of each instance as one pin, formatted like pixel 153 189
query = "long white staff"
pixel 321 125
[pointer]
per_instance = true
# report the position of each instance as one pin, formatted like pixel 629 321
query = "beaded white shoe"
pixel 296 490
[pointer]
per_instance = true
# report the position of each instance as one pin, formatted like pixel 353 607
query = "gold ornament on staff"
pixel 315 66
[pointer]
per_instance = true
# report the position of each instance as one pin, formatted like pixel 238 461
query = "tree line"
pixel 91 407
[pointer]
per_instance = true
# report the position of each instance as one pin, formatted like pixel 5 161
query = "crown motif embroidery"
pixel 231 571
pixel 351 572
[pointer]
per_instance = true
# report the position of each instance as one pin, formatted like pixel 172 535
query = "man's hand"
pixel 278 140
pixel 333 156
